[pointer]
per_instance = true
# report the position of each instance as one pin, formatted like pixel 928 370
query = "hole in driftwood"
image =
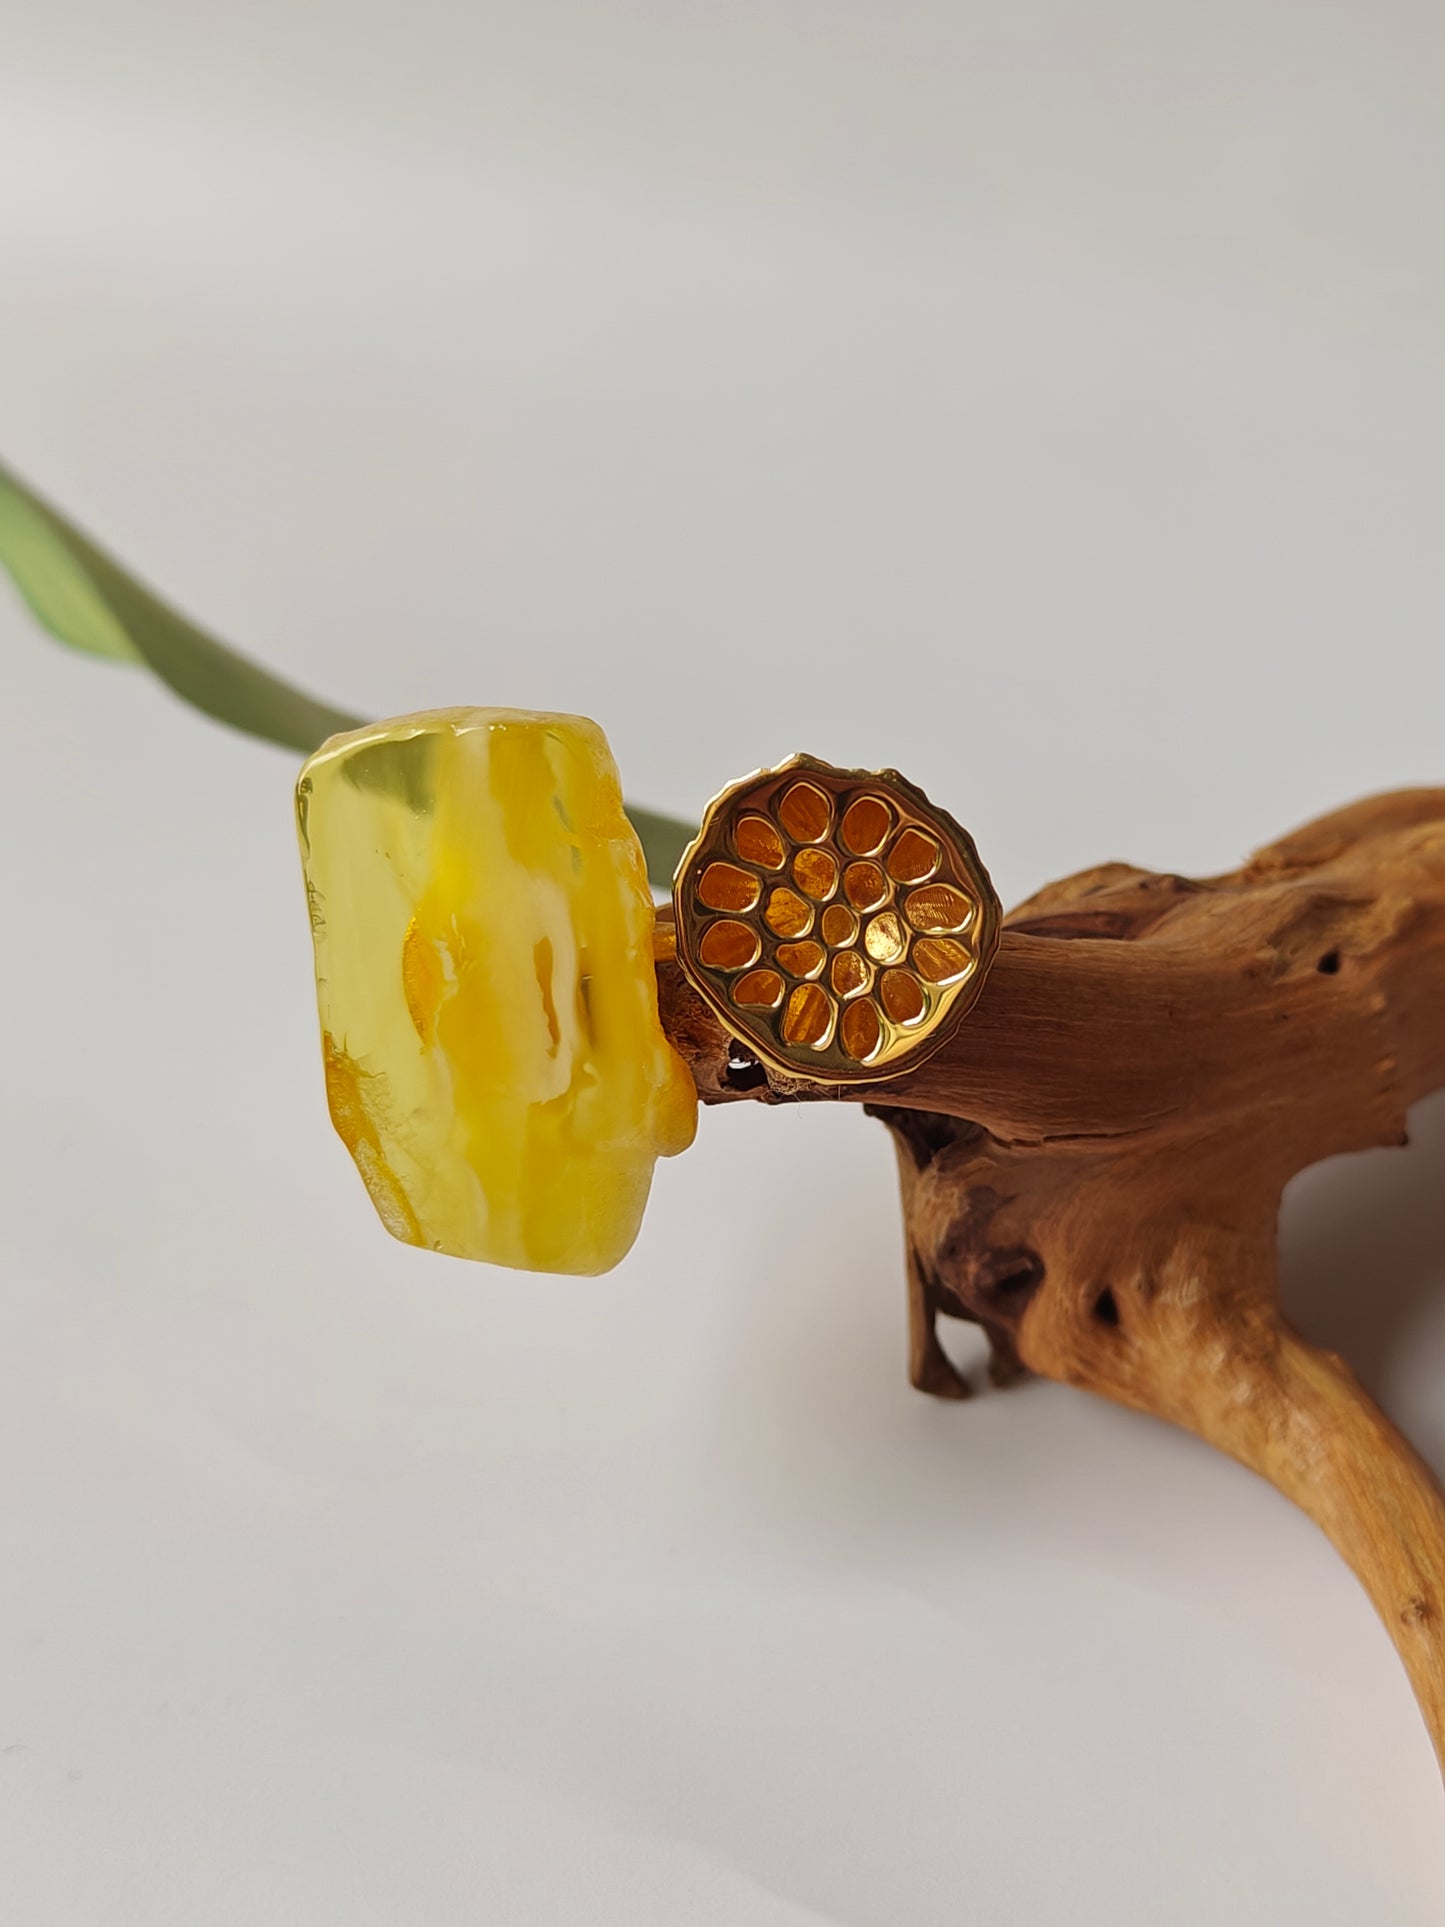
pixel 1012 1275
pixel 1024 1279
pixel 1106 1307
pixel 1329 963
pixel 925 1133
pixel 744 1072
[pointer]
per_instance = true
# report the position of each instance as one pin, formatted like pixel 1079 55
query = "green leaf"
pixel 61 596
pixel 86 599
pixel 663 840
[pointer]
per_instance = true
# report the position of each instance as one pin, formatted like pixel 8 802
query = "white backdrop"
pixel 1046 400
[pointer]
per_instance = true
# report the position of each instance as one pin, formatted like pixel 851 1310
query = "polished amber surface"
pixel 483 933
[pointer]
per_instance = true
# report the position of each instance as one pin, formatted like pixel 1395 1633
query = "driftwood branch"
pixel 1092 1166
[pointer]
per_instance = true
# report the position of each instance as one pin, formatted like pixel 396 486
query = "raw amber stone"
pixel 483 931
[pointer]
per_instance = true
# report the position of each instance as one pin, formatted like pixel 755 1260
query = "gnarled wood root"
pixel 1092 1167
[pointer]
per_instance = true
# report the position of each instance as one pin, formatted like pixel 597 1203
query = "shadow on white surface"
pixel 1363 1270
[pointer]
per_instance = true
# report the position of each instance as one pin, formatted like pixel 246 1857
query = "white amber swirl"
pixel 484 966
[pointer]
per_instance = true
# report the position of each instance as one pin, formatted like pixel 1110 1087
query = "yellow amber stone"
pixel 484 967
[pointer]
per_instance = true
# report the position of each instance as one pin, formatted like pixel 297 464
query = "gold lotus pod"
pixel 838 923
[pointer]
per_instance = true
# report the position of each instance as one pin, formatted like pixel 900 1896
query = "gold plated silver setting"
pixel 838 923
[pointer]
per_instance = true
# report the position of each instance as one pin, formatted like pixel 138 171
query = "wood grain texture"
pixel 1091 1167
